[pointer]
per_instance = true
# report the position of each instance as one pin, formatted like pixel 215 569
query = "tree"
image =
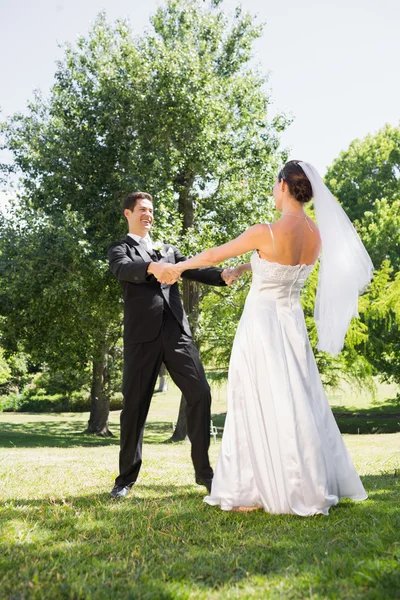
pixel 178 113
pixel 368 171
pixel 209 117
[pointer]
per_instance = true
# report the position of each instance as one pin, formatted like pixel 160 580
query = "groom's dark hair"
pixel 131 199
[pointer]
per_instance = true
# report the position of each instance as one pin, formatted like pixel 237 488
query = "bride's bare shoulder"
pixel 259 229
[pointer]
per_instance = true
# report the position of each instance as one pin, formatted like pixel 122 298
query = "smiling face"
pixel 140 219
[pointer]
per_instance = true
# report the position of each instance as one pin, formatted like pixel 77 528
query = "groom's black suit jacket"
pixel 144 296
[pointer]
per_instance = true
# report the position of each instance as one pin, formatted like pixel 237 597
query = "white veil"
pixel 345 269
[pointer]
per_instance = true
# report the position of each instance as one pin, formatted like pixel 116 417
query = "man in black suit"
pixel 156 330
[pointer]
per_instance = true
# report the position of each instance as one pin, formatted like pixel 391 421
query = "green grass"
pixel 62 536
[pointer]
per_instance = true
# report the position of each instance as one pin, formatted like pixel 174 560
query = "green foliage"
pixel 177 108
pixel 15 370
pixel 380 232
pixel 50 289
pixel 49 391
pixel 382 317
pixel 390 301
pixel 5 370
pixel 368 171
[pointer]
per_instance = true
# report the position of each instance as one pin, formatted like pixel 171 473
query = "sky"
pixel 333 65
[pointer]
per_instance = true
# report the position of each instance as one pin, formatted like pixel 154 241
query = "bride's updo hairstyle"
pixel 298 183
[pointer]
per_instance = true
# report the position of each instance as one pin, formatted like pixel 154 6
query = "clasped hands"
pixel 169 273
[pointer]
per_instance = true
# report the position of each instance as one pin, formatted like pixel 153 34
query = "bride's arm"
pixel 240 269
pixel 251 239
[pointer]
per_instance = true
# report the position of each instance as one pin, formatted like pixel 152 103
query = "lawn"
pixel 63 537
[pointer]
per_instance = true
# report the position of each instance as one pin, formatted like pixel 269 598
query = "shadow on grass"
pixel 389 408
pixel 68 433
pixel 49 434
pixel 162 542
pixel 64 433
pixel 379 419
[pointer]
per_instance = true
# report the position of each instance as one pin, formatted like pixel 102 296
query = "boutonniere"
pixel 159 247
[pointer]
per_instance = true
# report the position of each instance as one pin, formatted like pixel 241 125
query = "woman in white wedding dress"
pixel 281 448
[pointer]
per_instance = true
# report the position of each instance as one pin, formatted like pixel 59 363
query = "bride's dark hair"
pixel 298 183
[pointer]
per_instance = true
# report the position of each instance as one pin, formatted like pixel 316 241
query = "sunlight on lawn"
pixel 62 537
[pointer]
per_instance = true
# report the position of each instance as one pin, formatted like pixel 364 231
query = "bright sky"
pixel 333 64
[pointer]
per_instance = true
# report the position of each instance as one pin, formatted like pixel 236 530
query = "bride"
pixel 281 448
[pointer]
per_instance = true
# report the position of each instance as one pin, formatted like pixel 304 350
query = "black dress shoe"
pixel 120 491
pixel 206 481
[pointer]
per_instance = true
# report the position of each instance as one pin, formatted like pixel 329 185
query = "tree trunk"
pixel 163 379
pixel 190 289
pixel 184 184
pixel 99 399
pixel 180 432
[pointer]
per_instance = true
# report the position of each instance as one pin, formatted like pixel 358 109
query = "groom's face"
pixel 140 219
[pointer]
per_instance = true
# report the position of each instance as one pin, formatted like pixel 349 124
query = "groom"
pixel 156 330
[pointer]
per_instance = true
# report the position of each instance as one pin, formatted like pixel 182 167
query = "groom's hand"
pixel 164 273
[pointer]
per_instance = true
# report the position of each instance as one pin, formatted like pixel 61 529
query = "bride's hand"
pixel 232 274
pixel 164 273
pixel 172 275
pixel 229 276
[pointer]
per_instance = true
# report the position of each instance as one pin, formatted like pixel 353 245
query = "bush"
pixel 116 402
pixel 11 403
pixel 45 393
pixel 52 392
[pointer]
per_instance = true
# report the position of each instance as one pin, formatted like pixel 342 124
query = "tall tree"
pixel 368 171
pixel 178 113
pixel 210 122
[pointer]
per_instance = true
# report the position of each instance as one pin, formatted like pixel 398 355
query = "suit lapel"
pixel 139 249
pixel 145 255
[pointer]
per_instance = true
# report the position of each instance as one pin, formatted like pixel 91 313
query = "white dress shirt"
pixel 143 241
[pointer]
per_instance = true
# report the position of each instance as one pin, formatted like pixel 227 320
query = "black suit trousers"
pixel 141 366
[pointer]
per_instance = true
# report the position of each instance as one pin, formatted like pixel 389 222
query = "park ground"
pixel 62 536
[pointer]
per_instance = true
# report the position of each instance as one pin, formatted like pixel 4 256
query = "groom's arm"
pixel 208 275
pixel 132 268
pixel 126 267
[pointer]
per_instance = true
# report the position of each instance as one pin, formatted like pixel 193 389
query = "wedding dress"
pixel 281 448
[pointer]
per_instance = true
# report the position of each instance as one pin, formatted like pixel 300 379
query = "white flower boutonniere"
pixel 158 246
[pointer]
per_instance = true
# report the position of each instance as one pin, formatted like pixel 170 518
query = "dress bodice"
pixel 274 281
